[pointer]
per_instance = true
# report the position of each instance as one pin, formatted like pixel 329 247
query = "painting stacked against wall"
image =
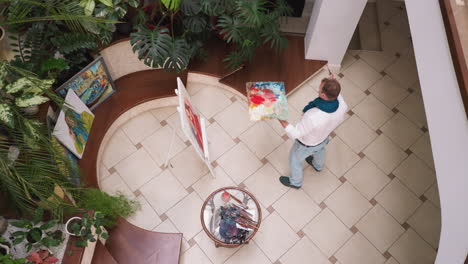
pixel 93 84
pixel 267 100
pixel 74 124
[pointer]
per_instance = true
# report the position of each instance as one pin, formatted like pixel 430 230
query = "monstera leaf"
pixel 196 24
pixel 178 56
pixel 190 7
pixel 231 28
pixel 152 45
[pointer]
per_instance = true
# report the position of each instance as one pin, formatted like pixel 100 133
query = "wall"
pixel 330 29
pixel 448 125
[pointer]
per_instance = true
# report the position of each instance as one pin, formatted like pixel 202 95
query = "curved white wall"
pixel 448 125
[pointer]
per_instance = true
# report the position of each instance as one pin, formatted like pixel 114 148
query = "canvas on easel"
pixel 193 125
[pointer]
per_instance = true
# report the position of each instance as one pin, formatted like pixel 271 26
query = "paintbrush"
pixel 238 201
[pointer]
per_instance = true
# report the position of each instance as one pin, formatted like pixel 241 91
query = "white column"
pixel 447 122
pixel 331 27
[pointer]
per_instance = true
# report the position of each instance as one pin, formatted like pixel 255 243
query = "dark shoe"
pixel 309 161
pixel 285 181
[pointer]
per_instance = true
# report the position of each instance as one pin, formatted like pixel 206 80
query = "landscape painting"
pixel 74 124
pixel 267 100
pixel 93 84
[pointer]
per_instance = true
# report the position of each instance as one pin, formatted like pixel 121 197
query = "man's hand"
pixel 283 123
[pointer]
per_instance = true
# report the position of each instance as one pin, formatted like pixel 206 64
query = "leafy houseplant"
pixel 88 228
pixel 8 259
pixel 111 206
pixel 176 30
pixel 36 233
pixel 42 257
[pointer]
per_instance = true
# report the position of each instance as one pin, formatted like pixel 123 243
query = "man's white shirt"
pixel 316 125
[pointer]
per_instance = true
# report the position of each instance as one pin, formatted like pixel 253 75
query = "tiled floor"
pixel 375 202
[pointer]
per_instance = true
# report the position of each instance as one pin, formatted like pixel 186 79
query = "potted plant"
pixel 36 233
pixel 42 257
pixel 88 228
pixel 8 259
pixel 4 246
pixel 178 28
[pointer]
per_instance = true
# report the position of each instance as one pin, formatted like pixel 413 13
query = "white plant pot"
pixel 6 248
pixel 69 223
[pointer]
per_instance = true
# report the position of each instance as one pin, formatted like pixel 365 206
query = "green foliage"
pixel 84 228
pixel 36 233
pixel 190 8
pixel 111 206
pixel 196 24
pixel 178 56
pixel 71 42
pixel 171 4
pixel 8 259
pixel 152 45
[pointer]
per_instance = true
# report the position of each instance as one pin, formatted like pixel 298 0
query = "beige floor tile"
pixel 157 145
pixel 216 255
pixel 216 98
pixel 306 93
pixel 194 86
pixel 388 92
pixel 363 75
pixel 118 148
pixel 140 127
pixel 355 133
pixel 186 215
pixel 174 123
pixel 115 184
pixel 264 184
pixel 261 139
pixel 401 131
pixel 392 260
pixel 194 256
pixel 249 254
pixel 411 248
pixel 413 108
pixel 380 228
pixel 352 94
pixel 359 251
pixel 367 178
pixel 146 217
pixel 398 200
pixel 103 172
pixel 348 204
pixel 275 237
pixel 234 119
pixel 393 41
pixel 403 71
pixel 339 158
pixel 187 167
pixel 377 59
pixel 296 208
pixel 426 222
pixel 304 252
pixel 137 169
pixel 279 158
pixel 327 232
pixel 163 192
pixel 433 195
pixel 319 185
pixel 422 149
pixel 400 23
pixel 163 113
pixel 239 154
pixel 348 60
pixel 315 81
pixel 208 184
pixel 373 112
pixel 415 174
pixel 385 154
pixel 218 141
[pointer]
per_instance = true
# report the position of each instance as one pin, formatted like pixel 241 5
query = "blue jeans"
pixel 299 153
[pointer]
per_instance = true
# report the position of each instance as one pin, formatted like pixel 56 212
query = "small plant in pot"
pixel 36 233
pixel 4 246
pixel 88 228
pixel 8 259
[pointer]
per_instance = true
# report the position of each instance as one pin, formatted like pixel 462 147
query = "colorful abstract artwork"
pixel 267 100
pixel 93 84
pixel 74 124
pixel 194 122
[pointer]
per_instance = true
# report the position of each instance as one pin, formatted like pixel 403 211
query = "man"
pixel 321 117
